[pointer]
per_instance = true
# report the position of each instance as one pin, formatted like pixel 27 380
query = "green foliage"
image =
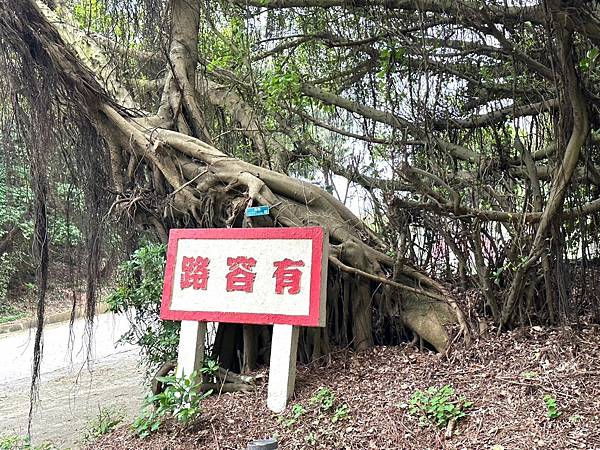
pixel 341 412
pixel 281 85
pixel 91 15
pixel 14 442
pixel 588 62
pixel 324 398
pixel 15 217
pixel 15 198
pixel 9 314
pixel 105 422
pixel 64 233
pixel 138 294
pixel 438 406
pixel 225 48
pixel 296 413
pixel 9 442
pixel 552 411
pixel 324 405
pixel 181 400
pixel 210 368
pixel 388 59
pixel 508 268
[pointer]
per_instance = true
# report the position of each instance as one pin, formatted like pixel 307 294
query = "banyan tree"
pixel 448 147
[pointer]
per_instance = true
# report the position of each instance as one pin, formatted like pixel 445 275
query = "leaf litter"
pixel 506 377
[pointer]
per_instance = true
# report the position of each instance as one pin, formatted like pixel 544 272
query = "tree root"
pixel 227 381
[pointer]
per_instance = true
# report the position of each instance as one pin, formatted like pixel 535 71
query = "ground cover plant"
pixel 438 406
pixel 105 421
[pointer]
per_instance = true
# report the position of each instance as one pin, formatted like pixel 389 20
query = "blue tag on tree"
pixel 255 211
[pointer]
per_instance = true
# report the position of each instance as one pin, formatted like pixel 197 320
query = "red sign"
pixel 246 275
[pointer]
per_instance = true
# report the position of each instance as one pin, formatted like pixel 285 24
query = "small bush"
pixel 438 406
pixel 181 400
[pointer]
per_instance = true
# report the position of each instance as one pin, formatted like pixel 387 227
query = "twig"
pixel 383 280
pixel 187 183
pixel 215 435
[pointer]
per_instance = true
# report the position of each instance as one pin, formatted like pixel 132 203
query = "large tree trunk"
pixel 165 168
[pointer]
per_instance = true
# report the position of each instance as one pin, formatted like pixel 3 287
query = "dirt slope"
pixel 506 377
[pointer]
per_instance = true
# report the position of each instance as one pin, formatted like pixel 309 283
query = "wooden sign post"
pixel 269 276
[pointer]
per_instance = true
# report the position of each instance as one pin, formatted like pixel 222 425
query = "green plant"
pixel 310 438
pixel 588 62
pixel 9 442
pixel 296 413
pixel 282 85
pixel 14 442
pixel 551 407
pixel 181 400
pixel 138 295
pixel 210 368
pixel 530 375
pixel 105 422
pixel 9 314
pixel 324 398
pixel 341 412
pixel 438 405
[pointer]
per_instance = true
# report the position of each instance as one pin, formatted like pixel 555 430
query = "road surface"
pixel 71 390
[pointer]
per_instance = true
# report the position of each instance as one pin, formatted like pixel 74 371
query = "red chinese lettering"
pixel 286 276
pixel 240 276
pixel 194 272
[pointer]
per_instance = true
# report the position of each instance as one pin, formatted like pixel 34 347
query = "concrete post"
pixel 191 347
pixel 282 369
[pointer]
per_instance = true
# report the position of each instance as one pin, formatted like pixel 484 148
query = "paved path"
pixel 71 391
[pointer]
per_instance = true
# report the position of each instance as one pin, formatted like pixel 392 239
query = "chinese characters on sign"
pixel 287 277
pixel 255 275
pixel 240 276
pixel 195 273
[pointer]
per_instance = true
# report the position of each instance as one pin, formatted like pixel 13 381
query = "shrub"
pixel 138 295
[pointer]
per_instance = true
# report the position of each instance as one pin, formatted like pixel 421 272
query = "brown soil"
pixel 506 377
